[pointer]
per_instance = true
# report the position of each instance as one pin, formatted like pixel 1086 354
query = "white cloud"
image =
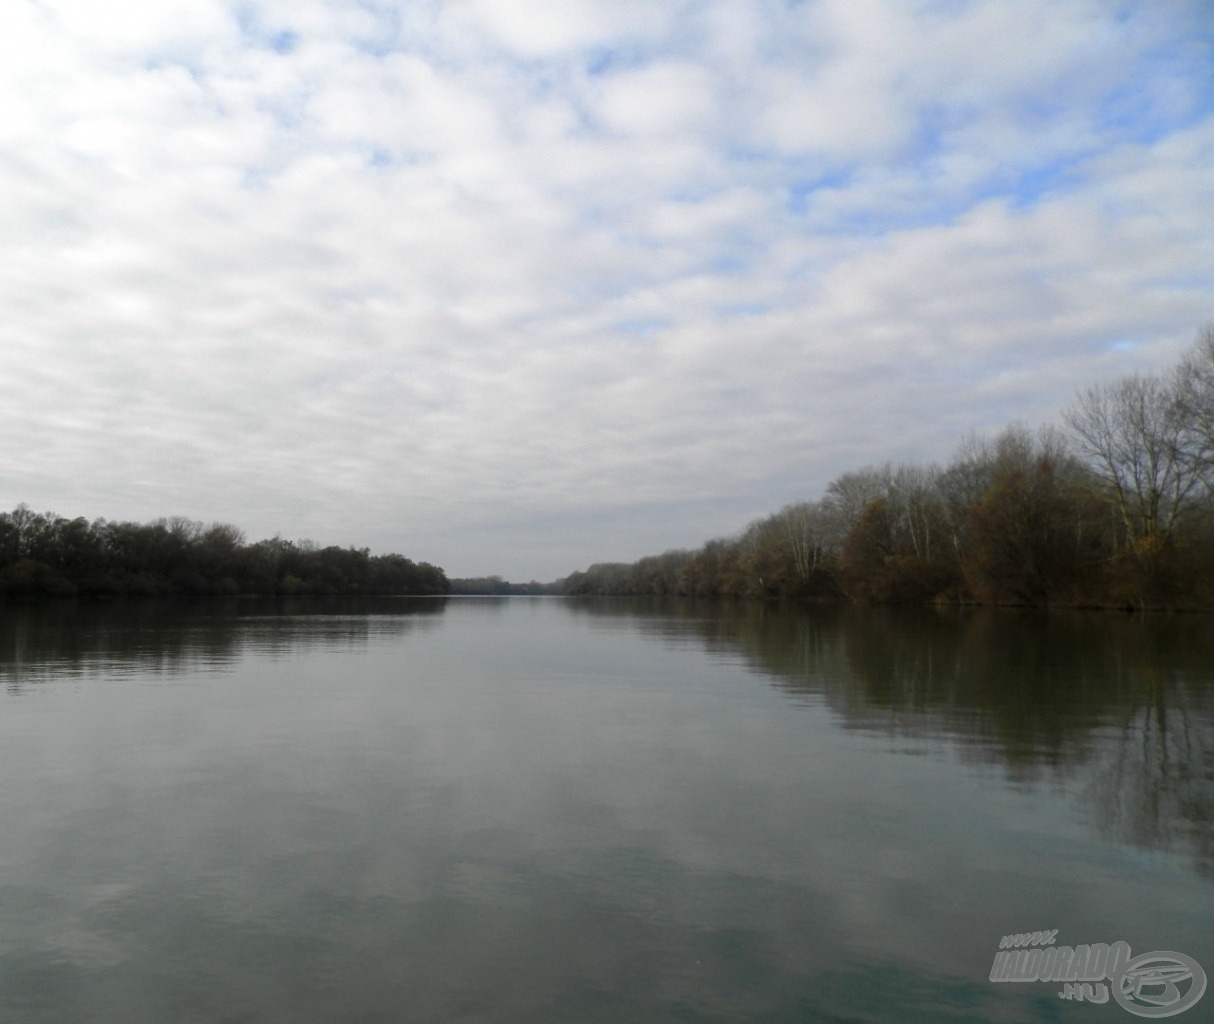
pixel 552 28
pixel 136 27
pixel 660 99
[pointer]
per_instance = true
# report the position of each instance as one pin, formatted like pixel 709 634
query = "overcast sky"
pixel 513 286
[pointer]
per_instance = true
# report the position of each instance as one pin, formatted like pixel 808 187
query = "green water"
pixel 549 811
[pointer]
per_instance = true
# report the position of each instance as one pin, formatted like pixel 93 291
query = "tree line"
pixel 44 554
pixel 1114 509
pixel 498 586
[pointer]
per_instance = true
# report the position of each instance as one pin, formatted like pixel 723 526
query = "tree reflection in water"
pixel 1122 706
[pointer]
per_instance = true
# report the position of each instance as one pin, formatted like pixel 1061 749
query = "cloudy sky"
pixel 513 286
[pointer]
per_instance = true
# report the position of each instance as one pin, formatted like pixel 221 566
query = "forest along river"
pixel 549 810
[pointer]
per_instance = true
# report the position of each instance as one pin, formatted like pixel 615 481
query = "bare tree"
pixel 915 498
pixel 912 500
pixel 183 530
pixel 1193 381
pixel 806 530
pixel 848 496
pixel 1140 441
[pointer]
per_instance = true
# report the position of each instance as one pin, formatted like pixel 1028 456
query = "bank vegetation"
pixel 47 555
pixel 1114 509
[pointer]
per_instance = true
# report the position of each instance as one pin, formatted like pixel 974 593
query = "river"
pixel 550 810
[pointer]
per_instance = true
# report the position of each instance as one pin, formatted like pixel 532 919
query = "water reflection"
pixel 542 810
pixel 66 639
pixel 1126 703
pixel 1152 781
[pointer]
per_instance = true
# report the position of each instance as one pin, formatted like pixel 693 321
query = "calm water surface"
pixel 548 811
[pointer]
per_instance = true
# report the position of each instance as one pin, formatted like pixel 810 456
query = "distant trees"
pixel 499 586
pixel 1117 510
pixel 653 575
pixel 44 554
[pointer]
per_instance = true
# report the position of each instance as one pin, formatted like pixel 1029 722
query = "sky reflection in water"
pixel 513 809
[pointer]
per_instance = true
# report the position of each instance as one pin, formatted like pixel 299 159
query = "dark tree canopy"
pixel 43 554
